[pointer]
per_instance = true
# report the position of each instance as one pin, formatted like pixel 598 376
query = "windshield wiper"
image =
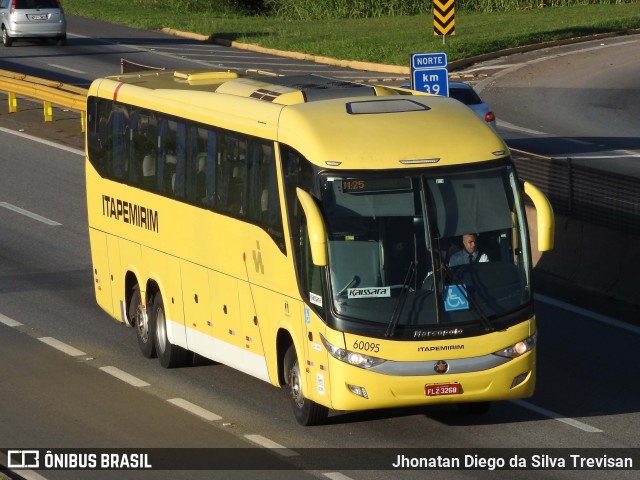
pixel 453 279
pixel 400 301
pixel 353 282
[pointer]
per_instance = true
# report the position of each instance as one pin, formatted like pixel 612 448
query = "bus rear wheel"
pixel 141 322
pixel 170 356
pixel 307 412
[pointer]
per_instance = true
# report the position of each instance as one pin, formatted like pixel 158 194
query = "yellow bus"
pixel 300 229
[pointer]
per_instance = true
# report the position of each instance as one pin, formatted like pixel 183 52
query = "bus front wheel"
pixel 307 412
pixel 170 356
pixel 141 322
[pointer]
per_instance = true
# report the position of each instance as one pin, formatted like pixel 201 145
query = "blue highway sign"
pixel 429 73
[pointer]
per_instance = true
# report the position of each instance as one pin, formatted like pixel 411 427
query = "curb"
pixel 356 65
pixel 394 69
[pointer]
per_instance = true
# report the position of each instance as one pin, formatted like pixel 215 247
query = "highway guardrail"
pixel 48 91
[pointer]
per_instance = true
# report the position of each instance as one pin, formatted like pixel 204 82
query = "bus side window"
pixel 210 168
pixel 142 150
pixel 231 176
pixel 263 199
pixel 192 152
pixel 168 144
pixel 119 122
pixel 98 134
pixel 198 158
pixel 178 178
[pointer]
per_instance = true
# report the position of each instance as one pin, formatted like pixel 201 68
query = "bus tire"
pixel 170 356
pixel 142 323
pixel 307 412
pixel 474 408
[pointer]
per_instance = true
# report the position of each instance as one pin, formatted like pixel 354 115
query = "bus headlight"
pixel 352 358
pixel 520 348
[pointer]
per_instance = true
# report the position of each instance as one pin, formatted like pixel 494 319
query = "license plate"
pixel 435 390
pixel 38 17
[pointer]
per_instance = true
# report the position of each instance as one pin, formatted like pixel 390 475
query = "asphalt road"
pixel 95 49
pixel 579 101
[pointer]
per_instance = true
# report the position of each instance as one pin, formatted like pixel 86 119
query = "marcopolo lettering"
pixel 437 333
pixel 131 213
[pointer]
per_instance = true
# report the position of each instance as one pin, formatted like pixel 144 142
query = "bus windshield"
pixel 393 244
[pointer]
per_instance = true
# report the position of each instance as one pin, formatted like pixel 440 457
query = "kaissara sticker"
pixel 371 292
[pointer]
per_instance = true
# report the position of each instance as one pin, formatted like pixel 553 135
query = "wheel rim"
pixel 142 323
pixel 296 386
pixel 161 330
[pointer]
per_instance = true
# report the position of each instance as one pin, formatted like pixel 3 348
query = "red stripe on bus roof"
pixel 115 94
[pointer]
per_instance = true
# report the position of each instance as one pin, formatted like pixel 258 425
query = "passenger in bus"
pixel 149 172
pixel 201 178
pixel 469 252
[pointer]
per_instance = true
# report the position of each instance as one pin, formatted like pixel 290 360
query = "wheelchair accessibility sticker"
pixel 455 298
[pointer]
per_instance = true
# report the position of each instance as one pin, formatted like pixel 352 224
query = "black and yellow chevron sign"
pixel 444 17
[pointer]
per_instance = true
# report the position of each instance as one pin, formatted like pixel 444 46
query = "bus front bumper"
pixel 354 388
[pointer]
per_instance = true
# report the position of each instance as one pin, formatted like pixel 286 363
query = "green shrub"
pixel 511 5
pixel 332 9
pixel 237 7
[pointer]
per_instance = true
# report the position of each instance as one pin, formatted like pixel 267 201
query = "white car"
pixel 465 93
pixel 32 19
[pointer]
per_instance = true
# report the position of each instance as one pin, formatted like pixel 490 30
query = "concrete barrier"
pixel 590 257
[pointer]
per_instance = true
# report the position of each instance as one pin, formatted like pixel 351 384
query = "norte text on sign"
pixel 444 18
pixel 429 60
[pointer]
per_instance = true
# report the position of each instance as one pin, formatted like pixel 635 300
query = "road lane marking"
pixel 270 444
pixel 9 322
pixel 493 66
pixel 596 157
pixel 41 140
pixel 337 476
pixel 124 376
pixel 575 140
pixel 556 416
pixel 54 65
pixel 511 126
pixel 195 409
pixel 29 214
pixel 587 313
pixel 63 347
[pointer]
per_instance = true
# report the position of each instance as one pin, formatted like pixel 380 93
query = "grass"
pixel 386 40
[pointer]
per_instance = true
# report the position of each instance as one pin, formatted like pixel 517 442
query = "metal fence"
pixel 587 194
pixel 48 91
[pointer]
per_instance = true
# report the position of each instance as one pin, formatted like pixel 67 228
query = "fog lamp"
pixel 360 391
pixel 518 379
